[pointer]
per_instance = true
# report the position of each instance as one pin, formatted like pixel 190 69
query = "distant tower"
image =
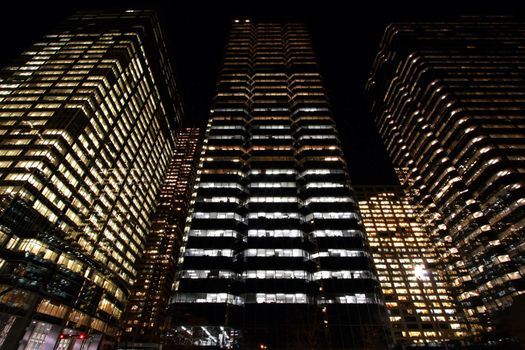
pixel 88 117
pixel 146 309
pixel 274 254
pixel 448 101
pixel 419 298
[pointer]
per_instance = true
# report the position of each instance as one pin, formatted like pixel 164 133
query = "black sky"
pixel 345 33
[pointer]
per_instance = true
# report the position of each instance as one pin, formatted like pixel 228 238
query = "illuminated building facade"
pixel 448 101
pixel 88 117
pixel 418 295
pixel 146 309
pixel 274 254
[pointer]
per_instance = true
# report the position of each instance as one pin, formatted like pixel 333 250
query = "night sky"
pixel 346 40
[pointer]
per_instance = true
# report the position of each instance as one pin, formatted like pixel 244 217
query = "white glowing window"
pixel 226 137
pixel 275 233
pixel 223 298
pixel 223 171
pixel 273 171
pixel 228 110
pixel 220 200
pixel 494 161
pixel 273 200
pixel 337 233
pixel 273 148
pixel 209 252
pixel 197 274
pixel 223 159
pixel 317 137
pixel 228 127
pixel 343 274
pixel 503 258
pixel 272 184
pixel 310 109
pixel 275 215
pixel 340 253
pixel 354 299
pixel 332 215
pixel 218 215
pixel 221 185
pixel 321 127
pixel 331 159
pixel 268 127
pixel 214 233
pixel 9 86
pixel 322 172
pixel 281 298
pixel 324 185
pixel 328 200
pixel 275 253
pixel 271 109
pixel 276 274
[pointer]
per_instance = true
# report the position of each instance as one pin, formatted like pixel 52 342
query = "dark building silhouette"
pixel 448 99
pixel 145 314
pixel 274 255
pixel 88 117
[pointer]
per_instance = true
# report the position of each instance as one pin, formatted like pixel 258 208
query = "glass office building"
pixel 88 117
pixel 274 255
pixel 448 100
pixel 420 299
pixel 145 313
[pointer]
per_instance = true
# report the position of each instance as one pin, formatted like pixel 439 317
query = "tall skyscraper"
pixel 420 300
pixel 146 309
pixel 87 122
pixel 448 101
pixel 274 255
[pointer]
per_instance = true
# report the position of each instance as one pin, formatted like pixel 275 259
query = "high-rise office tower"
pixel 146 309
pixel 418 295
pixel 274 254
pixel 87 120
pixel 448 101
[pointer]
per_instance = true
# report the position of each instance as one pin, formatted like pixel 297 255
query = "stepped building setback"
pixel 448 99
pixel 274 254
